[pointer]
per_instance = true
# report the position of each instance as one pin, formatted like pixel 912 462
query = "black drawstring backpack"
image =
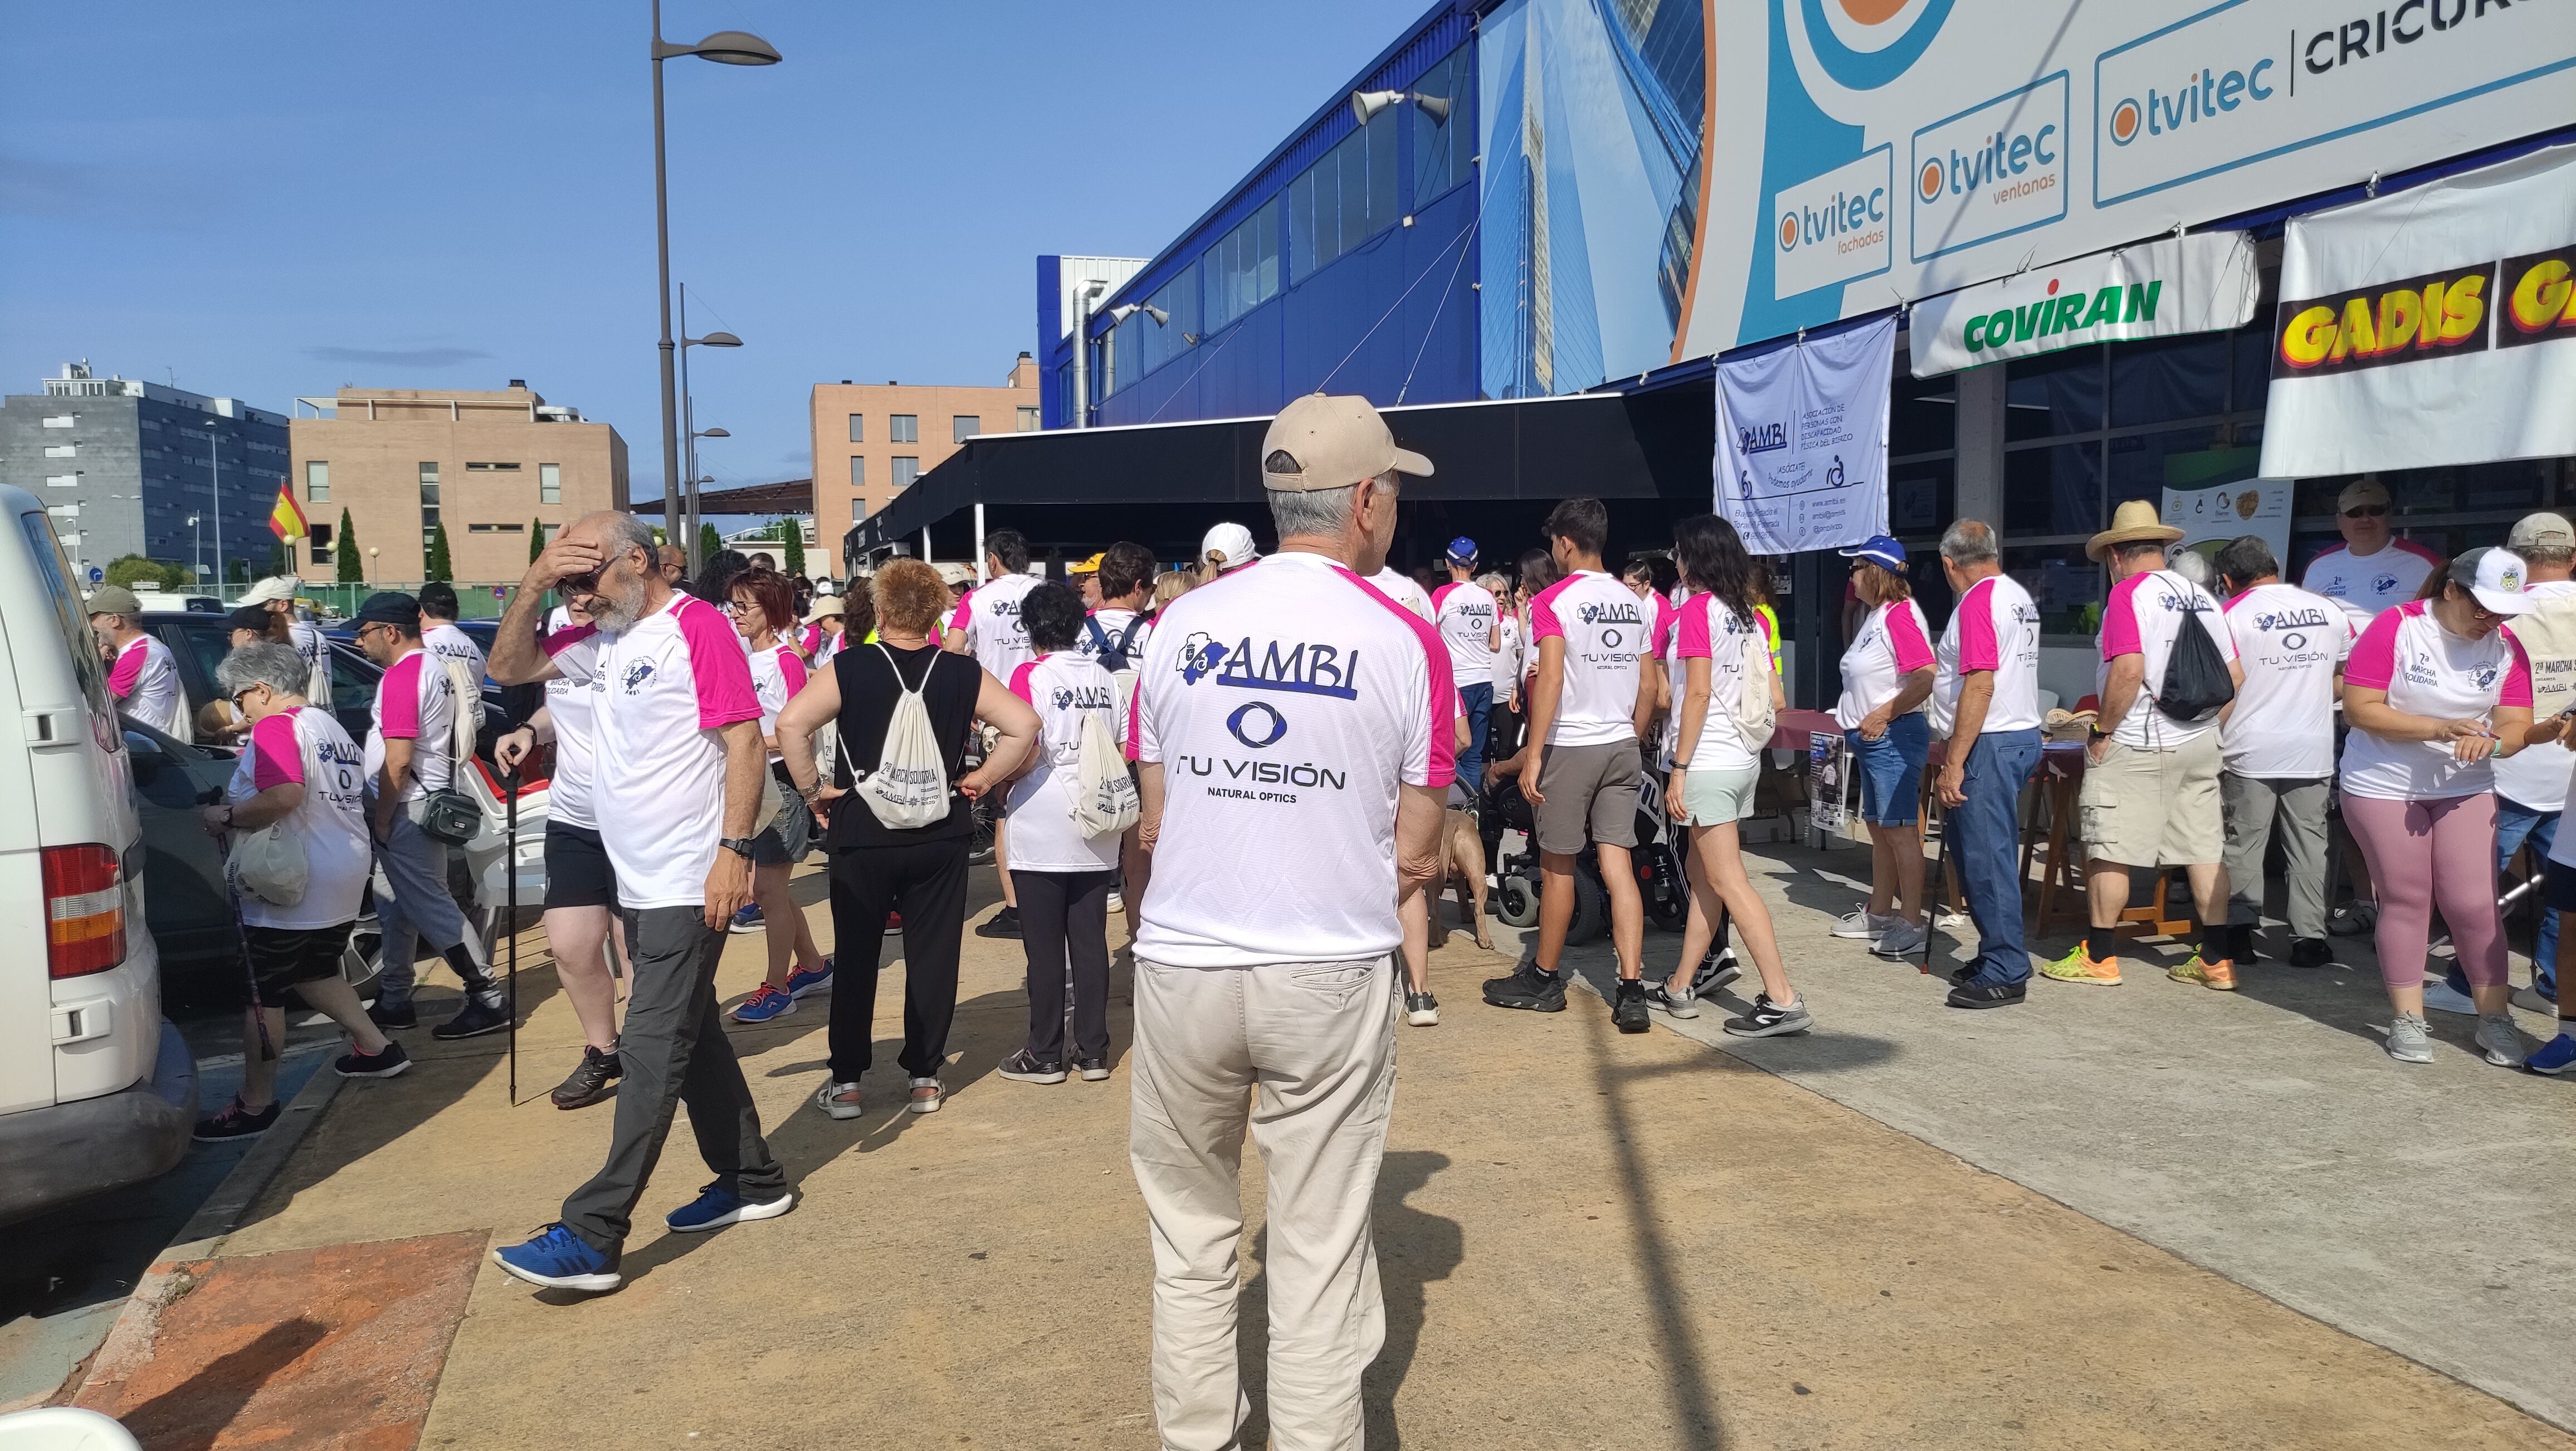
pixel 2196 687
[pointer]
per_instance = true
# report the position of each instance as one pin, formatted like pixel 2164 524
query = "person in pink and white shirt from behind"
pixel 986 625
pixel 1887 676
pixel 2435 691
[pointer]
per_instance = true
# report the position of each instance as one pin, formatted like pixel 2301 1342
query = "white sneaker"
pixel 1864 924
pixel 1117 901
pixel 2408 1040
pixel 2501 1043
pixel 1949 921
pixel 1902 940
pixel 2441 997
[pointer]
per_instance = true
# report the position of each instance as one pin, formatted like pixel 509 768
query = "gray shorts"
pixel 1591 795
pixel 1719 795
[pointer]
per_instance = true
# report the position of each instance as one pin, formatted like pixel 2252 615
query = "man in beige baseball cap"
pixel 1335 451
pixel 2374 569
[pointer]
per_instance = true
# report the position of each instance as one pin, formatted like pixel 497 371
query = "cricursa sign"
pixel 1895 149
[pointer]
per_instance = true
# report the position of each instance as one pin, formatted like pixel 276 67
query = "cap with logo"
pixel 1880 550
pixel 1228 546
pixel 1462 551
pixel 116 599
pixel 2495 577
pixel 1331 441
pixel 390 608
pixel 1087 566
pixel 2542 531
pixel 2362 491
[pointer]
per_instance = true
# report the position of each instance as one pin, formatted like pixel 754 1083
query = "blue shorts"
pixel 1891 770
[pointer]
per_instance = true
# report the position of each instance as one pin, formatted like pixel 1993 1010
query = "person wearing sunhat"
pixel 2150 796
pixel 1887 676
pixel 276 594
pixel 823 629
pixel 2372 569
pixel 1227 547
pixel 142 674
pixel 2436 692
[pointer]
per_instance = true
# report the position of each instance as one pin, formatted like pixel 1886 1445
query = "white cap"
pixel 270 590
pixel 1229 546
pixel 2495 577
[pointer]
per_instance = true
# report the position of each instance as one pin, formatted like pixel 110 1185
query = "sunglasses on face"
pixel 2367 511
pixel 236 696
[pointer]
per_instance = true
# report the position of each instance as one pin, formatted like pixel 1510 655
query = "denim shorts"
pixel 1891 770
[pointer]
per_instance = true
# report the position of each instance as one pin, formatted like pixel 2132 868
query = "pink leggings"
pixel 2425 854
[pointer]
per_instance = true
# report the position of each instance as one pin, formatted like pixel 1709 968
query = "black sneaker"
pixel 387 1064
pixel 1717 967
pixel 1628 1009
pixel 390 1016
pixel 1026 1067
pixel 1770 1020
pixel 592 1079
pixel 2310 952
pixel 1528 988
pixel 1092 1069
pixel 1421 1010
pixel 236 1122
pixel 1987 994
pixel 472 1021
pixel 1005 923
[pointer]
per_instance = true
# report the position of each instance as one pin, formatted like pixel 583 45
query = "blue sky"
pixel 272 199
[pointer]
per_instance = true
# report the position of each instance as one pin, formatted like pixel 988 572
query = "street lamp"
pixel 200 546
pixel 689 404
pixel 725 47
pixel 372 552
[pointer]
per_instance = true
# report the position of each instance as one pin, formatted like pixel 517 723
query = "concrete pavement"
pixel 1588 1240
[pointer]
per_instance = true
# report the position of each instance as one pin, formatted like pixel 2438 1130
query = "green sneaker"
pixel 2219 976
pixel 2076 966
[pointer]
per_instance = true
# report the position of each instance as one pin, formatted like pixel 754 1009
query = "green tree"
pixel 709 542
pixel 792 558
pixel 536 539
pixel 237 571
pixel 352 565
pixel 660 537
pixel 438 566
pixel 280 559
pixel 129 570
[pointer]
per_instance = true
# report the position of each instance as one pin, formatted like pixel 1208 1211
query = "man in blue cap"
pixel 1471 627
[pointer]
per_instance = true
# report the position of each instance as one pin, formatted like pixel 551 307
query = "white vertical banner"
pixel 1801 460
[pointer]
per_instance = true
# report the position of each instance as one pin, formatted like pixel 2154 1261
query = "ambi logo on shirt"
pixel 1991 170
pixel 1832 228
pixel 1303 668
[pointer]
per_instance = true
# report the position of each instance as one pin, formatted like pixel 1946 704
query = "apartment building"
pixel 872 440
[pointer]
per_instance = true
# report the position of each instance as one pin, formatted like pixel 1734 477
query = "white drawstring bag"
pixel 270 863
pixel 909 788
pixel 1105 801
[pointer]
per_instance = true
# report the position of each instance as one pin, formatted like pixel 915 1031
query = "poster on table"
pixel 2429 327
pixel 2189 284
pixel 1801 459
pixel 1829 782
pixel 2211 516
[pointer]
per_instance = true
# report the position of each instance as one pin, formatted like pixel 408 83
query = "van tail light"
pixel 84 910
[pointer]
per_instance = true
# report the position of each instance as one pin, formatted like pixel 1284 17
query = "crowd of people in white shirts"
pixel 1157 743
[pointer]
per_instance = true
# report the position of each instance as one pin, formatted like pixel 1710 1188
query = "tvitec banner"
pixel 1879 152
pixel 1802 441
pixel 2432 326
pixel 2204 283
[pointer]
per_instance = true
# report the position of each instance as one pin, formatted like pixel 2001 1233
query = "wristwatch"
pixel 809 792
pixel 739 845
pixel 2094 732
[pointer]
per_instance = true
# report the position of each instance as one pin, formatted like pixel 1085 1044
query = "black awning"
pixel 1500 465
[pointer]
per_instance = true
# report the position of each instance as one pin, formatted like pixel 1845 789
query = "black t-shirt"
pixel 869 690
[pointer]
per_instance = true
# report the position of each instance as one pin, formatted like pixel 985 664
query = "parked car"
pixel 200 643
pixel 97 1090
pixel 518 702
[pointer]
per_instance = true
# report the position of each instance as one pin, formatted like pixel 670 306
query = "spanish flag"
pixel 286 521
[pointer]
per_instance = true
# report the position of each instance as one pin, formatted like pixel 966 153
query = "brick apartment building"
pixel 487 464
pixel 872 440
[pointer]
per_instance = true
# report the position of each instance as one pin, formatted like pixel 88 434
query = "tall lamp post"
pixel 689 406
pixel 725 47
pixel 215 473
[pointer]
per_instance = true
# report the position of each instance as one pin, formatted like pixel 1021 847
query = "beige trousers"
pixel 1303 1054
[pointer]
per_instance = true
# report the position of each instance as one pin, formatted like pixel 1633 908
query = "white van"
pixel 96 1089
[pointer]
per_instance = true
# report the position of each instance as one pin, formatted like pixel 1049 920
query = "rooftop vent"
pixel 518 382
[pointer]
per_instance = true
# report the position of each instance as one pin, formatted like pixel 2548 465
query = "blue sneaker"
pixel 800 982
pixel 2555 1056
pixel 559 1260
pixel 748 919
pixel 716 1206
pixel 765 1003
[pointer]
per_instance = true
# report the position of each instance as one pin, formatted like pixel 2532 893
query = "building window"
pixel 1242 269
pixel 320 543
pixel 858 428
pixel 428 500
pixel 62 481
pixel 62 450
pixel 903 428
pixel 858 473
pixel 317 481
pixel 963 427
pixel 550 483
pixel 59 420
pixel 906 469
pixel 473 468
pixel 858 511
pixel 1029 420
pixel 1444 148
pixel 496 528
pixel 1344 198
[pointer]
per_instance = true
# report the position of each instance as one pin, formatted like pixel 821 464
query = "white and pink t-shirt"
pixel 2365 584
pixel 447 642
pixel 673 681
pixel 415 703
pixel 1704 629
pixel 1464 611
pixel 2427 671
pixel 1115 624
pixel 1665 644
pixel 145 681
pixel 1067 690
pixel 2143 617
pixel 572 703
pixel 1402 588
pixel 990 617
pixel 777 673
pixel 1607 631
pixel 1286 701
pixel 1996 628
pixel 2292 644
pixel 1508 660
pixel 1894 642
pixel 2538 778
pixel 306 747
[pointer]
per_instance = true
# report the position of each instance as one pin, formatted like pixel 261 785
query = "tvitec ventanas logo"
pixel 1991 170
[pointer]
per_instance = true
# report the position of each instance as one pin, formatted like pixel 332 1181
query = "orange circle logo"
pixel 1929 183
pixel 1788 233
pixel 1872 12
pixel 2124 122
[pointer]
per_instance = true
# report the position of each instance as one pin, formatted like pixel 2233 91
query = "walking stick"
pixel 1940 874
pixel 510 912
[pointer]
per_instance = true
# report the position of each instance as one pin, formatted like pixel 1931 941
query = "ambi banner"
pixel 1802 441
pixel 2189 284
pixel 2429 327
